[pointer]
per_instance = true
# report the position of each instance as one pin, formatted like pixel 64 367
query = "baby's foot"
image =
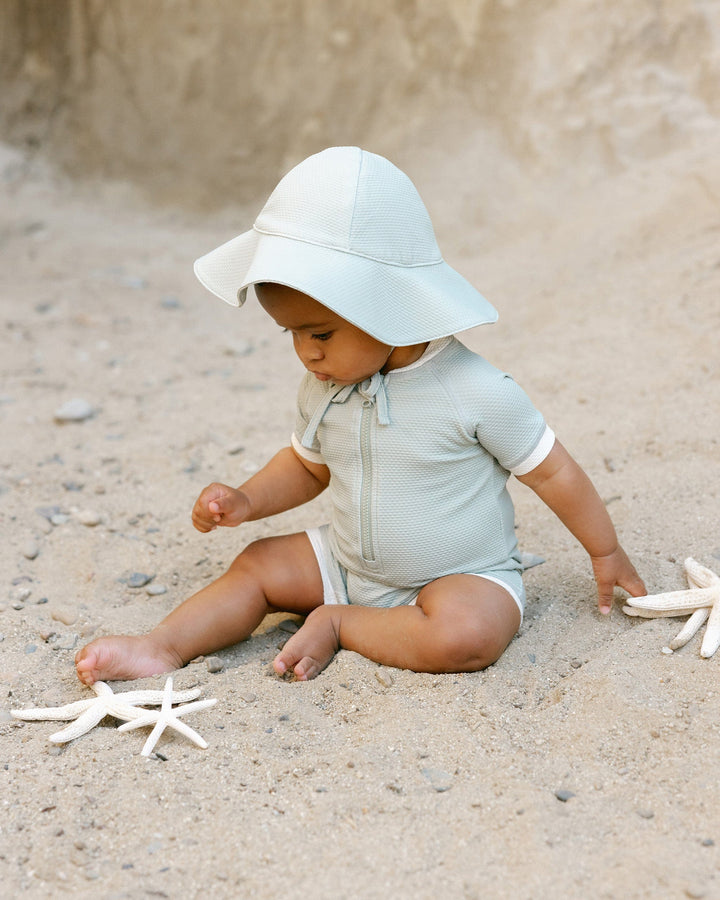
pixel 311 648
pixel 122 658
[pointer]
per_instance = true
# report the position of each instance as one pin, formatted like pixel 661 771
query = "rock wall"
pixel 208 101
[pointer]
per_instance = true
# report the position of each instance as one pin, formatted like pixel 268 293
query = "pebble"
pixel 289 626
pixel 47 512
pixel 238 348
pixel 20 595
pixel 154 590
pixel 76 410
pixel 439 780
pixel 30 550
pixel 5 716
pixel 89 517
pixel 64 614
pixel 214 664
pixel 248 698
pixel 529 560
pixel 30 648
pixel 137 580
pixel 645 813
pixel 67 642
pixel 384 677
pixel 564 795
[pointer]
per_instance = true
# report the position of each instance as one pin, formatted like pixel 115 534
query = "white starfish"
pixel 167 717
pixel 701 601
pixel 88 713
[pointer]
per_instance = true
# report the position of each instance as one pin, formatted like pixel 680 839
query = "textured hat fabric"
pixel 349 229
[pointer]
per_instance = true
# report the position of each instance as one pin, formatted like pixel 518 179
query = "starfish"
pixel 88 713
pixel 701 602
pixel 167 717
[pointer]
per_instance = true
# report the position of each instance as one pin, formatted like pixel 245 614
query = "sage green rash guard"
pixel 419 461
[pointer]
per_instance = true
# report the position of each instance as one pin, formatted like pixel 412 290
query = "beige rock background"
pixel 569 153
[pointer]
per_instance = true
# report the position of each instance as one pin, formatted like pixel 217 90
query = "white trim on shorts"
pixel 331 597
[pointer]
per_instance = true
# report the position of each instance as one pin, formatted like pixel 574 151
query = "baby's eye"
pixel 325 336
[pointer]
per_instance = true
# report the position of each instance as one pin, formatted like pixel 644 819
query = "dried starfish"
pixel 167 717
pixel 701 601
pixel 88 713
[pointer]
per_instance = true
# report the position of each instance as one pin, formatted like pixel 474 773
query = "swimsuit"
pixel 419 461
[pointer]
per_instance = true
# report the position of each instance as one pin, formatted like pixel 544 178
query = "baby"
pixel 413 435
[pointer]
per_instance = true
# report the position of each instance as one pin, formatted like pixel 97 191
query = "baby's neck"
pixel 404 356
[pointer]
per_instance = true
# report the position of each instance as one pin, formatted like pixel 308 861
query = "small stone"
pixel 645 813
pixel 68 642
pixel 137 580
pixel 214 664
pixel 530 560
pixel 248 698
pixel 47 512
pixel 170 302
pixel 30 550
pixel 667 651
pixel 5 716
pixel 59 519
pixel 440 781
pixel 564 795
pixel 30 648
pixel 707 842
pixel 76 410
pixel 89 517
pixel 238 348
pixel 21 594
pixel 65 614
pixel 154 590
pixel 384 677
pixel 694 892
pixel 289 626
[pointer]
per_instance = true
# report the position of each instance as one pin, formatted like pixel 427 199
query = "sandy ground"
pixel 367 782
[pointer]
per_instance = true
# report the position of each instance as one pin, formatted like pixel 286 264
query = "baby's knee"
pixel 469 645
pixel 254 558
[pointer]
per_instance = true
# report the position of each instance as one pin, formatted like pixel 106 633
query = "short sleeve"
pixel 305 407
pixel 510 427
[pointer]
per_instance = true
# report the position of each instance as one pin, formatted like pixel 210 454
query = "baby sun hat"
pixel 349 229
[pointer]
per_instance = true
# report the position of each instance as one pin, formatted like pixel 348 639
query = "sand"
pixel 583 764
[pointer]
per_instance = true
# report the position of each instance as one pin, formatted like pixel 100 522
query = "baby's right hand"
pixel 219 504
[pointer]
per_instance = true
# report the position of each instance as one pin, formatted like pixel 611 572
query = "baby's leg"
pixel 461 623
pixel 278 573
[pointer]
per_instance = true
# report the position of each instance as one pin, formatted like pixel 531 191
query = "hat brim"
pixel 397 305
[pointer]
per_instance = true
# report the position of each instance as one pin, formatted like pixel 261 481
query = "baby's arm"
pixel 285 482
pixel 566 489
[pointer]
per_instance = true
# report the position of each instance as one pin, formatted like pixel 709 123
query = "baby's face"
pixel 327 345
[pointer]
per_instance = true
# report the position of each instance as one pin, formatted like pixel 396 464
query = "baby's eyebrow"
pixel 312 326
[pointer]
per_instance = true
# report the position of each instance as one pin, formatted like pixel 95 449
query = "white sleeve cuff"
pixel 543 448
pixel 310 455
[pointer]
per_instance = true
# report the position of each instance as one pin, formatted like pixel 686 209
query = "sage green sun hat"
pixel 349 229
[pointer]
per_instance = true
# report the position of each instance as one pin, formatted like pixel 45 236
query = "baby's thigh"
pixel 473 615
pixel 286 570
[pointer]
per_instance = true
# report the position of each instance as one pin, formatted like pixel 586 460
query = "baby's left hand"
pixel 615 570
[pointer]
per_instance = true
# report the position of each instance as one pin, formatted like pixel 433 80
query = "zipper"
pixel 366 529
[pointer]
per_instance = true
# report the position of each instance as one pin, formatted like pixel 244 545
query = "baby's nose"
pixel 312 351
